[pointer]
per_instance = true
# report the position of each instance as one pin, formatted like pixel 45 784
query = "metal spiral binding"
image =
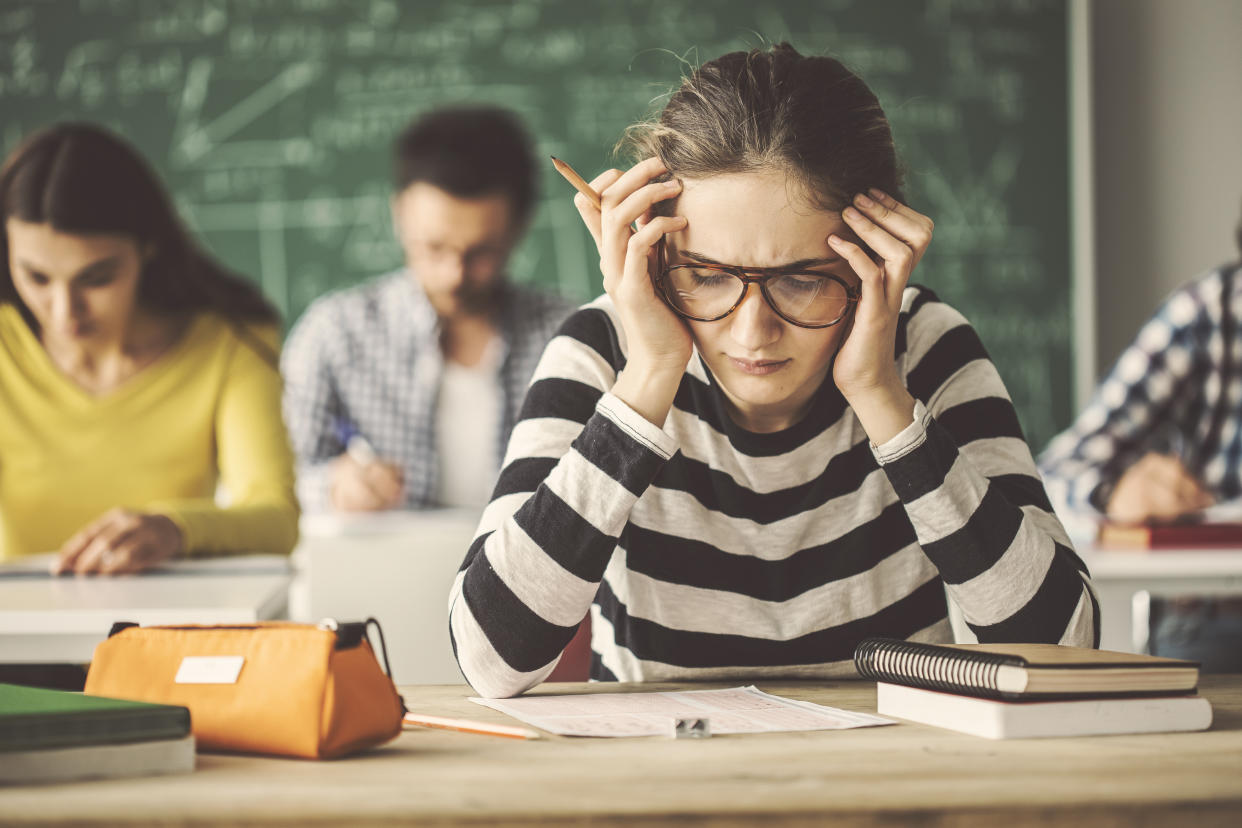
pixel 930 666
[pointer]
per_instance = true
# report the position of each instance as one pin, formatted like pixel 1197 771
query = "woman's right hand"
pixel 658 343
pixel 121 542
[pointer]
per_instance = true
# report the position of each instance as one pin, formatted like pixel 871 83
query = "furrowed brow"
pixel 800 264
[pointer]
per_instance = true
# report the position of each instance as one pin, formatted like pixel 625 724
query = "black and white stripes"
pixel 705 551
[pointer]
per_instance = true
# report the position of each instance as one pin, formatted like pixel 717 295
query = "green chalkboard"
pixel 271 122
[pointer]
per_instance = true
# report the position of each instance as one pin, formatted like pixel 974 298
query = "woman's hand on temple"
pixel 119 543
pixel 865 369
pixel 658 342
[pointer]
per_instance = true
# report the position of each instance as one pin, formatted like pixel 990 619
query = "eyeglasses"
pixel 708 292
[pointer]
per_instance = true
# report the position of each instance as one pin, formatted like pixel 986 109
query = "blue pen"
pixel 356 446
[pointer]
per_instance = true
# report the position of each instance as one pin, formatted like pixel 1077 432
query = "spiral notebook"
pixel 1023 671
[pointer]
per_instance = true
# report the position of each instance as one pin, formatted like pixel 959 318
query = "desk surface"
pixel 902 774
pixel 46 619
pixel 397 567
pixel 407 525
pixel 1120 574
pixel 1166 564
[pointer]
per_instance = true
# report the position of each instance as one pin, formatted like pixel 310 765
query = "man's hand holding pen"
pixel 361 481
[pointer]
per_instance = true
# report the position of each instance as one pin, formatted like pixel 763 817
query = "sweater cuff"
pixel 1098 494
pixel 905 441
pixel 189 543
pixel 636 425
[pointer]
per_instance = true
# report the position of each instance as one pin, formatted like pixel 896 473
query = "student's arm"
pixel 312 406
pixel 1131 412
pixel 577 462
pixel 256 466
pixel 970 487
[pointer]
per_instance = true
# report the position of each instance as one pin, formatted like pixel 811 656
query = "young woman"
pixel 136 373
pixel 761 445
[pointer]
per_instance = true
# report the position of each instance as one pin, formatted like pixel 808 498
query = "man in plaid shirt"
pixel 1161 438
pixel 401 392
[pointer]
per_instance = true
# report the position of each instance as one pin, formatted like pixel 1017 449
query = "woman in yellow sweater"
pixel 136 375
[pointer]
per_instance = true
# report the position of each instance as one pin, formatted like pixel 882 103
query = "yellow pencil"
pixel 573 178
pixel 468 726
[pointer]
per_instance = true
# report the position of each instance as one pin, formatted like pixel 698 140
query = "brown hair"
pixel 469 152
pixel 80 178
pixel 775 109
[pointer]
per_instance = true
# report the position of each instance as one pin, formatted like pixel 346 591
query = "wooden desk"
pixel 45 619
pixel 1124 576
pixel 904 774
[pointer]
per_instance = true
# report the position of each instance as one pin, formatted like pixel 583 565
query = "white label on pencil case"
pixel 209 670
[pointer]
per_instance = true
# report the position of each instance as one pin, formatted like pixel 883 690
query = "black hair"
pixel 82 179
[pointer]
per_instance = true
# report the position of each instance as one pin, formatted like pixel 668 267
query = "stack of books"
pixel 1017 691
pixel 1218 526
pixel 57 736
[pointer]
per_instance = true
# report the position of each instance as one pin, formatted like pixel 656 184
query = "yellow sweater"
pixel 206 412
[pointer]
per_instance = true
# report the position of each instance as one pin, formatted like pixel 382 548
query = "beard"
pixel 471 300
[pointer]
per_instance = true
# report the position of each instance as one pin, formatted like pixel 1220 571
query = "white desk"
pixel 47 620
pixel 397 567
pixel 1125 579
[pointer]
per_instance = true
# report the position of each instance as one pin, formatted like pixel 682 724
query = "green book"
pixel 32 718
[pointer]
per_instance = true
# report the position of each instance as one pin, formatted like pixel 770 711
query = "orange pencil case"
pixel 288 689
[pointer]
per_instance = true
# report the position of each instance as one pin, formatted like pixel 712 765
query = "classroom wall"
pixel 1167 92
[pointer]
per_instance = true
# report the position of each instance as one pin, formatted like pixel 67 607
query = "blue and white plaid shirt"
pixel 370 356
pixel 1162 395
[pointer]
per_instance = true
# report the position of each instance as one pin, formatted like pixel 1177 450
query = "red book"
pixel 1167 535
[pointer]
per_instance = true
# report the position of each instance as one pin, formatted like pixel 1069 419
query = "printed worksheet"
pixel 736 710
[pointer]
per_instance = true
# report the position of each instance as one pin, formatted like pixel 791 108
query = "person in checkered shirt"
pixel 401 392
pixel 1161 439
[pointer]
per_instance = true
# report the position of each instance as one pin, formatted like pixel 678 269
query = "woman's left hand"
pixel 119 543
pixel 865 369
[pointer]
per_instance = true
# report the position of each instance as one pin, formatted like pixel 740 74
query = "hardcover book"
pixel 56 736
pixel 64 764
pixel 36 718
pixel 1188 535
pixel 996 719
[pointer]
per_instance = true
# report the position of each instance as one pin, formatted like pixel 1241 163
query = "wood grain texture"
pixel 906 774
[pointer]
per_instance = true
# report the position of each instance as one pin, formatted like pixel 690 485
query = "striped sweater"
pixel 703 551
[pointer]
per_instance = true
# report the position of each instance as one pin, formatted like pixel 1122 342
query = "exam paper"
pixel 737 710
